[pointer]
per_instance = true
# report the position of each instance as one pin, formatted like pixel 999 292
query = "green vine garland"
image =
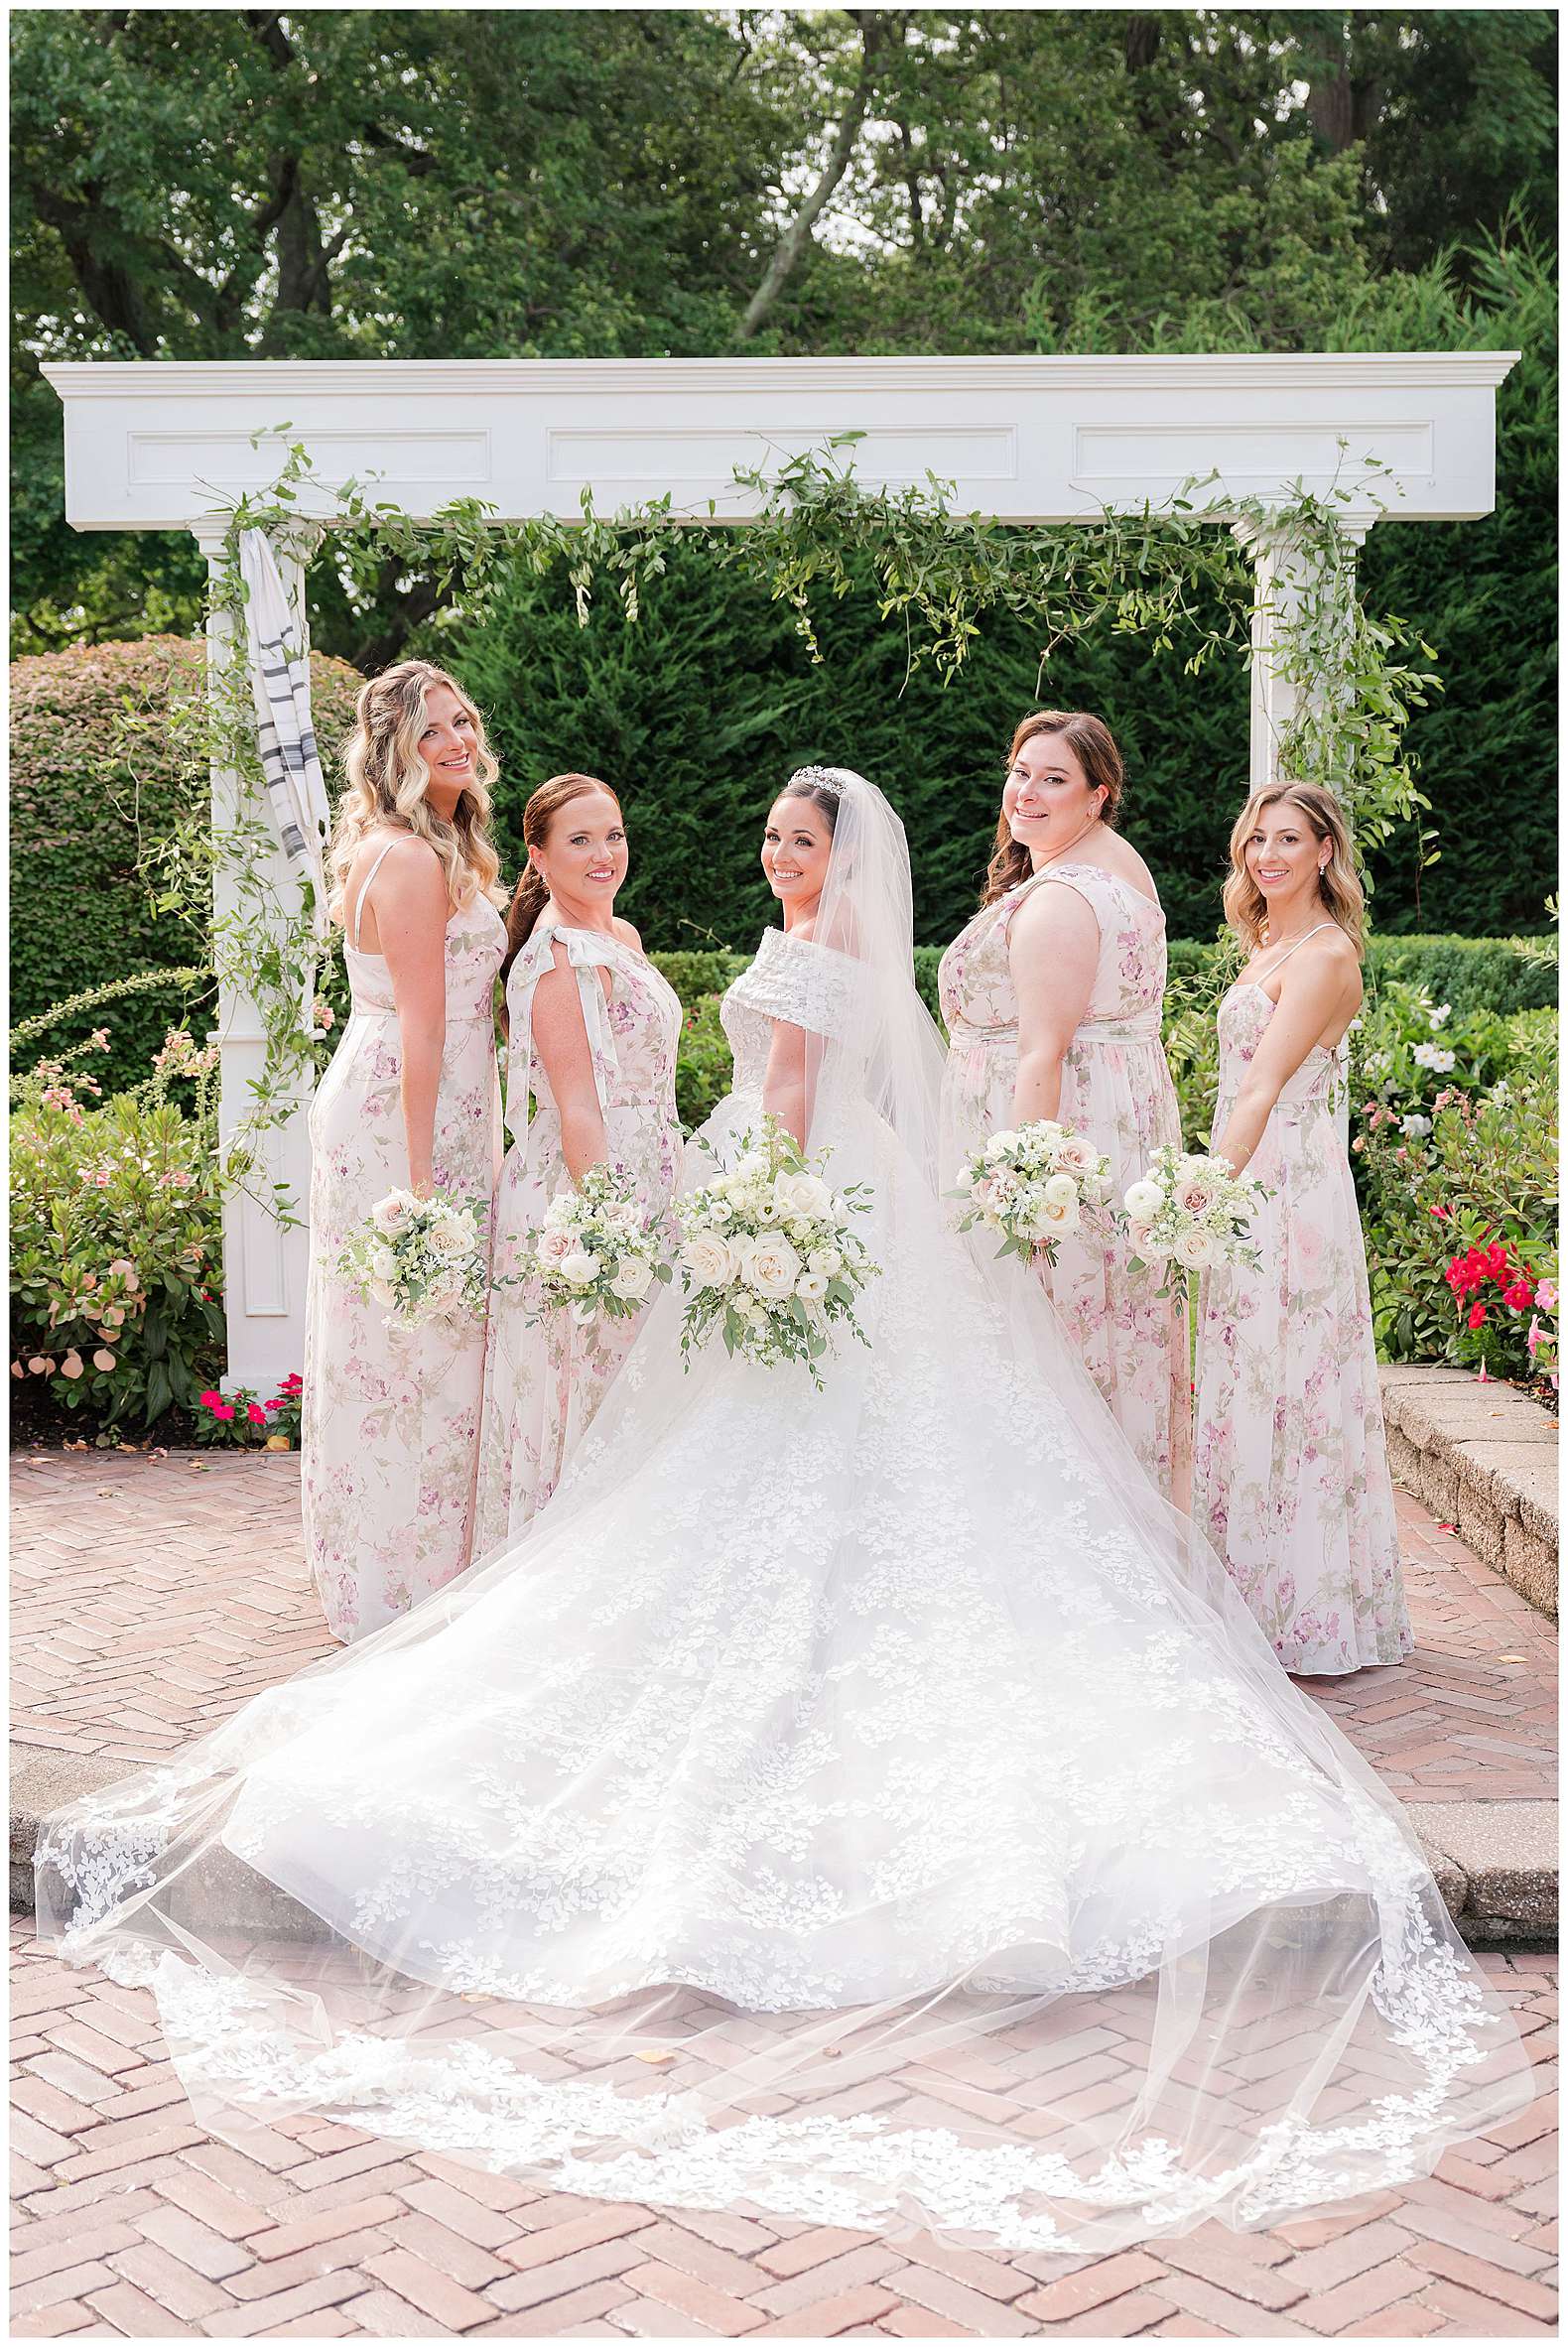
pixel 940 575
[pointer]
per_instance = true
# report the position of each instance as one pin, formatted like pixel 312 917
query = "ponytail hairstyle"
pixel 531 894
pixel 1094 745
pixel 388 781
pixel 1339 884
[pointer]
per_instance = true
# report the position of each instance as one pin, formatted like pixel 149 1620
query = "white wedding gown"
pixel 872 1807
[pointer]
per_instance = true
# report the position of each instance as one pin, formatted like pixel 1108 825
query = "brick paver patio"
pixel 152 1596
pixel 197 1561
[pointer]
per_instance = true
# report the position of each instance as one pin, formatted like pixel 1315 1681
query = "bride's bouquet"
pixel 1190 1212
pixel 768 1257
pixel 600 1251
pixel 1033 1187
pixel 420 1260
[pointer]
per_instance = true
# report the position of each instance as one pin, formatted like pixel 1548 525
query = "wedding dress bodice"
pixel 793 979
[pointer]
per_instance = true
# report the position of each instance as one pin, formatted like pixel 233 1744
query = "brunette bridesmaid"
pixel 1291 1479
pixel 594 1031
pixel 391 1416
pixel 1052 999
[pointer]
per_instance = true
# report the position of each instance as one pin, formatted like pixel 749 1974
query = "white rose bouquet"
pixel 1189 1213
pixel 1033 1187
pixel 768 1258
pixel 598 1252
pixel 419 1258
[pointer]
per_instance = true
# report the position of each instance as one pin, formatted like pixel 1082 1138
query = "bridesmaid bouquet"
pixel 1192 1212
pixel 1033 1187
pixel 768 1258
pixel 599 1251
pixel 419 1258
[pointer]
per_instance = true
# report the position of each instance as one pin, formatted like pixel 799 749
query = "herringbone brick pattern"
pixel 153 1596
pixel 131 2221
pixel 197 1564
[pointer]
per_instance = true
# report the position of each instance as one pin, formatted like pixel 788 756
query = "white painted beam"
pixel 153 446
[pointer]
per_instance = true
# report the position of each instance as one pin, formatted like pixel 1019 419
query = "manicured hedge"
pixel 79 913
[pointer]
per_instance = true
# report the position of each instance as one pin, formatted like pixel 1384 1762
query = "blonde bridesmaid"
pixel 594 1031
pixel 1291 1479
pixel 1052 999
pixel 390 1430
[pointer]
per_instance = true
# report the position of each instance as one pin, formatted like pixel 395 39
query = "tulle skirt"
pixel 872 1808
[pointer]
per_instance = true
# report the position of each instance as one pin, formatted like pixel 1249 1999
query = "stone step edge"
pixel 1484 1458
pixel 1496 1862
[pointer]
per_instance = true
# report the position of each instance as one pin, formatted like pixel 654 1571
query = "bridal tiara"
pixel 831 779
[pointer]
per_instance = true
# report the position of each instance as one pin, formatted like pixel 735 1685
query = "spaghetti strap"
pixel 359 901
pixel 1289 950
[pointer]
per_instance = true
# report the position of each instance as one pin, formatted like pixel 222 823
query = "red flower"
pixel 1519 1296
pixel 1441 1212
pixel 256 1414
pixel 211 1399
pixel 1478 1315
pixel 223 1410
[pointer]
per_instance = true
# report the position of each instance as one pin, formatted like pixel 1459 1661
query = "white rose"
pixel 580 1270
pixel 827 1261
pixel 810 1287
pixel 710 1259
pixel 772 1267
pixel 449 1239
pixel 807 1194
pixel 1062 1190
pixel 633 1278
pixel 1143 1200
pixel 383 1264
pixel 554 1246
pixel 390 1214
pixel 1077 1155
pixel 752 1166
pixel 1057 1216
pixel 1195 1248
pixel 999 1143
pixel 965 1180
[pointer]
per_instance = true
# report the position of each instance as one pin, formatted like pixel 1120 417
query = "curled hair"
pixel 388 782
pixel 1339 884
pixel 532 895
pixel 1094 745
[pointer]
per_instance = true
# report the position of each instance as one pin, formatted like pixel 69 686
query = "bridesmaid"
pixel 594 1031
pixel 410 1099
pixel 1291 1479
pixel 1052 1000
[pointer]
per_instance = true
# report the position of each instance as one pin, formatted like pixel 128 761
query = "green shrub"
pixel 703 1063
pixel 82 802
pixel 116 1256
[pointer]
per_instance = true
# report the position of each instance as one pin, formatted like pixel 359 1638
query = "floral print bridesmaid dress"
pixel 1290 1479
pixel 390 1426
pixel 1116 1090
pixel 546 1378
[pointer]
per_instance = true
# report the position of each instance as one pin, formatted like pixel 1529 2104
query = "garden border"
pixel 1484 1458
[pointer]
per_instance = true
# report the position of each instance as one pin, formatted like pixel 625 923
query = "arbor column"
pixel 1286 572
pixel 265 1262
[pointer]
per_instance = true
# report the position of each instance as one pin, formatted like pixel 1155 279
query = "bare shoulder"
pixel 626 933
pixel 1328 963
pixel 803 932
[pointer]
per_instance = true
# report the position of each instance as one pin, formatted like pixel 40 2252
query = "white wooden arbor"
pixel 163 447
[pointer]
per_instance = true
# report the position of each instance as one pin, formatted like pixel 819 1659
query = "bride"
pixel 871 1808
